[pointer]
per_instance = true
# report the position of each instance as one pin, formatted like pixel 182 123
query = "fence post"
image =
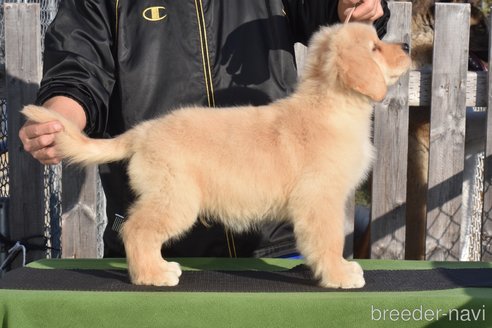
pixel 447 131
pixel 389 177
pixel 486 241
pixel 23 73
pixel 80 220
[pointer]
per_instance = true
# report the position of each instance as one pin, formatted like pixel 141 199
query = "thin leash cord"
pixel 351 12
pixel 347 19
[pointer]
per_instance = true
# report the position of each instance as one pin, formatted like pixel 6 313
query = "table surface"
pixel 456 307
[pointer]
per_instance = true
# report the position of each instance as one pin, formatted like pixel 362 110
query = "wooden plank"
pixel 419 89
pixel 419 86
pixel 391 142
pixel 348 249
pixel 23 73
pixel 447 131
pixel 486 240
pixel 80 212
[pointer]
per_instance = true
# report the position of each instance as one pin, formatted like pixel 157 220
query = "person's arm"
pixel 79 59
pixel 305 17
pixel 78 74
pixel 39 138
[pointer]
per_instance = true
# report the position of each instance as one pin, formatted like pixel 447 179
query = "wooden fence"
pixel 450 91
pixel 449 98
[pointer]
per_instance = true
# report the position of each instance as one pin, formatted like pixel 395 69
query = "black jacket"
pixel 126 61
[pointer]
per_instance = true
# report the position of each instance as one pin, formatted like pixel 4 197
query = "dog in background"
pixel 296 159
pixel 419 124
pixel 423 34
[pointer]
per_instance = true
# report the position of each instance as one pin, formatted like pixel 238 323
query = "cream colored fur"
pixel 296 159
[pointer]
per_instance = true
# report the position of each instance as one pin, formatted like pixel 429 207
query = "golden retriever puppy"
pixel 296 159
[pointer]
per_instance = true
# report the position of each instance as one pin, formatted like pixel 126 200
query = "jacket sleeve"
pixel 305 17
pixel 78 58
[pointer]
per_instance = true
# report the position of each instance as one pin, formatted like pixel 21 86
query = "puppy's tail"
pixel 76 147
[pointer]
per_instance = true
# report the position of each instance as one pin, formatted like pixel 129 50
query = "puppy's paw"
pixel 166 278
pixel 355 276
pixel 174 267
pixel 163 274
pixel 347 275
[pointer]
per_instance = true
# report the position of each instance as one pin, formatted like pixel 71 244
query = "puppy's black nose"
pixel 405 47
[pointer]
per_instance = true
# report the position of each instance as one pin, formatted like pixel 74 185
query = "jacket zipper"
pixel 207 70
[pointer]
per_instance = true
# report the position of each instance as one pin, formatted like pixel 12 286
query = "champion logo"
pixel 154 14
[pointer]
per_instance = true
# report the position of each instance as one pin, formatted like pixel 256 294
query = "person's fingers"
pixel 39 139
pixel 47 155
pixel 33 130
pixel 364 10
pixel 368 10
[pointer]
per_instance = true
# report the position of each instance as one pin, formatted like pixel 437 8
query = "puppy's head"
pixel 352 56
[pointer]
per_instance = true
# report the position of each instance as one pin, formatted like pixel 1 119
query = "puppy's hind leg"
pixel 153 220
pixel 319 229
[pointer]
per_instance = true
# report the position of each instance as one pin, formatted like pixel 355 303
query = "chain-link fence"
pixel 52 190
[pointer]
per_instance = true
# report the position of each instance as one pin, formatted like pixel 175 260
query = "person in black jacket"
pixel 111 64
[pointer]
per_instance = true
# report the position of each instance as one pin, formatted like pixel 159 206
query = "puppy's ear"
pixel 361 73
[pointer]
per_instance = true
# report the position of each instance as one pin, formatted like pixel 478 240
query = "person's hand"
pixel 365 10
pixel 39 139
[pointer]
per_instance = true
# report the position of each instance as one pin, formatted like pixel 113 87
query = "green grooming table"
pixel 60 293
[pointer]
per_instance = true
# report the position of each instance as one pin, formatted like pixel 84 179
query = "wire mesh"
pixel 475 230
pixel 4 176
pixel 52 191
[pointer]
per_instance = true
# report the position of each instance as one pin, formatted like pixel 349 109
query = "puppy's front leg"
pixel 320 238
